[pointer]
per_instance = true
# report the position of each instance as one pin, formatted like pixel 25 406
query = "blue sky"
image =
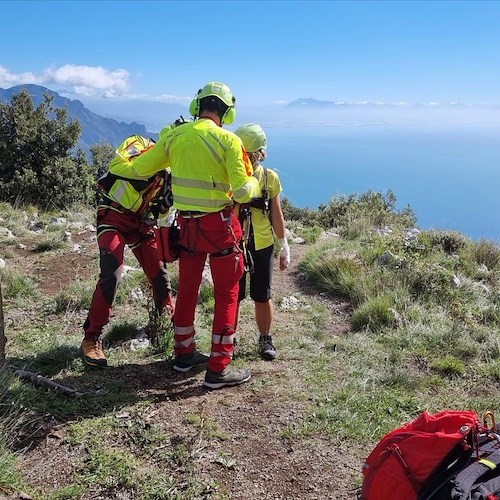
pixel 266 51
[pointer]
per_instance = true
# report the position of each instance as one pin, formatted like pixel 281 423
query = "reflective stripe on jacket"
pixel 208 163
pixel 122 183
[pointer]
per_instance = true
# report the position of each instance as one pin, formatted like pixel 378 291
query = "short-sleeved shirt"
pixel 262 228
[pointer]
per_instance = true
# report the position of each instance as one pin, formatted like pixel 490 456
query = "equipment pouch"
pixel 168 242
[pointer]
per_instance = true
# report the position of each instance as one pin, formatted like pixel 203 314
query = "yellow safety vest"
pixel 209 166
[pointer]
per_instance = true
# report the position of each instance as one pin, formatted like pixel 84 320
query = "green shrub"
pixel 37 162
pixel 430 280
pixel 374 208
pixel 338 274
pixel 449 241
pixel 17 285
pixel 121 331
pixel 310 235
pixel 375 313
pixel 49 244
pixel 109 469
pixel 449 365
pixel 76 296
pixel 486 253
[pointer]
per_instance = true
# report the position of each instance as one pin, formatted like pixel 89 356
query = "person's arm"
pixel 142 167
pixel 278 223
pixel 243 184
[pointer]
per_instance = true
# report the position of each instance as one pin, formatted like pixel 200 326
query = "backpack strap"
pixel 464 481
pixel 488 489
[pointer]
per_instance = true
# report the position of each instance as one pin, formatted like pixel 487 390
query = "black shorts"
pixel 260 279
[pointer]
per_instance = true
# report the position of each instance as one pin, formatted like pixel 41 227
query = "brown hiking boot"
pixel 226 378
pixel 93 355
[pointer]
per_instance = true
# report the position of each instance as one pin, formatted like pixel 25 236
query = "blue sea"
pixel 448 175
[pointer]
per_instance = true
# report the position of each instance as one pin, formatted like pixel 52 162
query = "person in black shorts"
pixel 263 223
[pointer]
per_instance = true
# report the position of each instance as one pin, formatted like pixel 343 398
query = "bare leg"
pixel 264 316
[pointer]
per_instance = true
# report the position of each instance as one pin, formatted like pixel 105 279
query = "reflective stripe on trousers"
pixel 226 273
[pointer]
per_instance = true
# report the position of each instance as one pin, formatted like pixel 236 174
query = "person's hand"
pixel 284 254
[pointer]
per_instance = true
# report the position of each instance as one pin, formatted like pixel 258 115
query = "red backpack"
pixel 407 458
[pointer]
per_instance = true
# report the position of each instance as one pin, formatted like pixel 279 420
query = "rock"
pixel 136 344
pixel 6 233
pixel 76 248
pixel 297 240
pixel 58 221
pixel 77 226
pixel 387 258
pixel 21 246
pixel 128 269
pixel 66 236
pixel 455 281
pixel 397 317
pixel 35 227
pixel 383 231
pixel 290 303
pixel 328 235
pixel 137 294
pixel 412 234
pixel 91 228
pixel 24 496
pixel 206 277
pixel 2 263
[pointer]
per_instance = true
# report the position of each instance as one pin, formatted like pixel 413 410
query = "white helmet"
pixel 252 136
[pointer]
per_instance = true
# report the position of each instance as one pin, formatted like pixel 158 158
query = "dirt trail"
pixel 254 459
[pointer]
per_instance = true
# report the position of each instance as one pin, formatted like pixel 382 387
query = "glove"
pixel 284 253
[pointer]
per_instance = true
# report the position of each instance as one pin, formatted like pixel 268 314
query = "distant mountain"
pixel 311 103
pixel 95 128
pixel 153 114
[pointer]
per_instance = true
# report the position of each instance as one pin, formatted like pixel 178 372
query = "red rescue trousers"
pixel 217 235
pixel 114 231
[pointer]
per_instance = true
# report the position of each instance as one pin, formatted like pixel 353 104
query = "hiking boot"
pixel 266 348
pixel 226 378
pixel 186 362
pixel 93 355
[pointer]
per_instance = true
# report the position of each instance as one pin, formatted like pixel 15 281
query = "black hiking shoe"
pixel 226 378
pixel 186 362
pixel 266 348
pixel 93 355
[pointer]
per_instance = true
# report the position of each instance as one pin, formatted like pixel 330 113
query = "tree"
pixel 102 154
pixel 38 160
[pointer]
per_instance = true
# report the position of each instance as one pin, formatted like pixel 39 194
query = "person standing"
pixel 210 170
pixel 124 218
pixel 263 222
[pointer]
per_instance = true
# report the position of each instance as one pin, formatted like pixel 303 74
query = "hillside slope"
pixel 247 442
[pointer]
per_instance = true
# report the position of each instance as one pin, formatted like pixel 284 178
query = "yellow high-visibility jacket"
pixel 209 166
pixel 123 185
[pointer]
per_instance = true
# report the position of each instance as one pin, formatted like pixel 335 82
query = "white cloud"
pixel 89 79
pixel 83 80
pixel 8 79
pixel 145 97
pixel 172 98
